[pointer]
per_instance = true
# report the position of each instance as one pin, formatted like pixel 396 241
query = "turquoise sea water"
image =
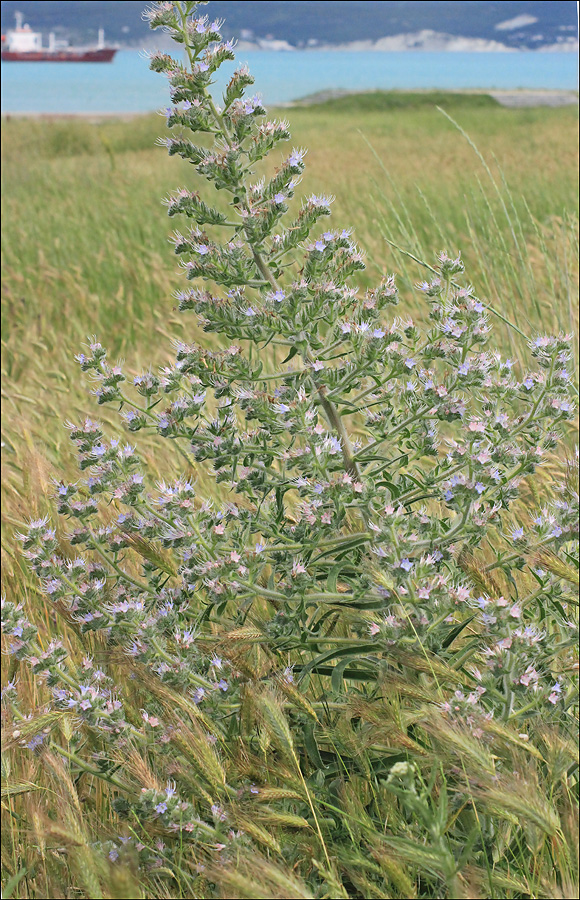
pixel 127 86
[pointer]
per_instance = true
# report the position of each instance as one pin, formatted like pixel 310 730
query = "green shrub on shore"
pixel 393 101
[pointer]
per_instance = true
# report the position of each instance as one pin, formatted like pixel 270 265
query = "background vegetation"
pixel 85 252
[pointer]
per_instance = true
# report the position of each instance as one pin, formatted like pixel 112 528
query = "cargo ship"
pixel 21 44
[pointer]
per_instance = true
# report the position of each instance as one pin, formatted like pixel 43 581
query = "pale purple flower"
pixel 35 741
pixel 504 644
pixel 530 675
pixel 320 201
pixel 295 158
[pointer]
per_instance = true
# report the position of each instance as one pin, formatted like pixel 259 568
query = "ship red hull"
pixel 104 55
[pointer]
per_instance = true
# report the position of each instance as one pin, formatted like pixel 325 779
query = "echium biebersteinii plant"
pixel 361 462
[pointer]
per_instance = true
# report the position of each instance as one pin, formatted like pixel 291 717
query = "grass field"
pixel 85 238
pixel 85 252
pixel 85 245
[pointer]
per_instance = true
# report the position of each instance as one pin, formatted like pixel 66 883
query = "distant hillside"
pixel 524 24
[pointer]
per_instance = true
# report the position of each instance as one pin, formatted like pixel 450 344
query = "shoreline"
pixel 518 98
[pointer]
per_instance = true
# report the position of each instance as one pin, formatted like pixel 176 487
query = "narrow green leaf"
pixel 335 654
pixel 291 355
pixel 338 675
pixel 455 632
pixel 333 577
pixel 13 883
pixel 312 747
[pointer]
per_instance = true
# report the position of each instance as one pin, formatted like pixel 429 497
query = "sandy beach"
pixel 518 99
